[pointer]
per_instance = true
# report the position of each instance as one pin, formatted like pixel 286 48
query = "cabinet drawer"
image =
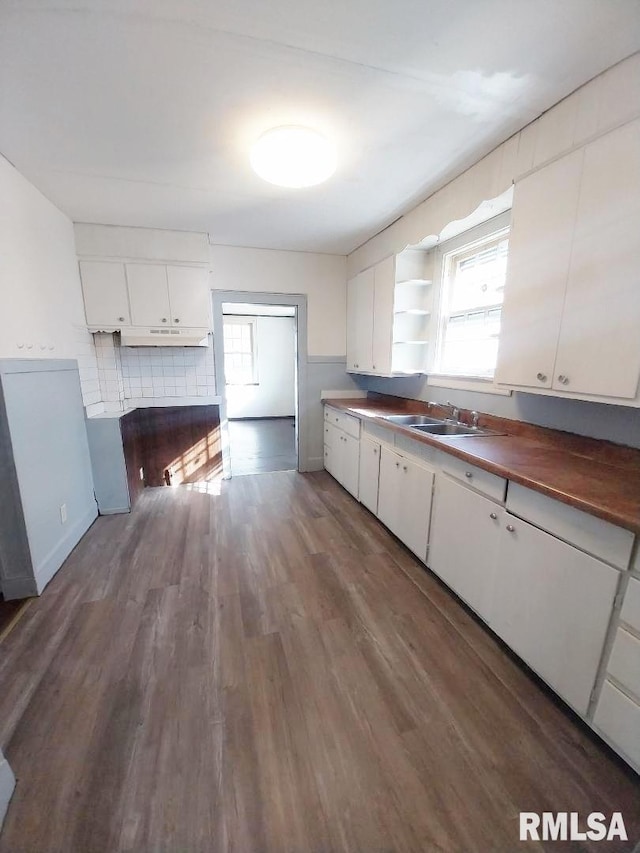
pixel 624 663
pixel 618 718
pixel 630 612
pixel 343 421
pixel 489 484
pixel 593 535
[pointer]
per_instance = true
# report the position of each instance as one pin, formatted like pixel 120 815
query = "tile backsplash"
pixel 138 372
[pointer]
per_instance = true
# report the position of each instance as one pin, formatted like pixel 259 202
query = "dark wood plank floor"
pixel 259 445
pixel 256 671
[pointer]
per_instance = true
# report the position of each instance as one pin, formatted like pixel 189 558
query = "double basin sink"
pixel 437 426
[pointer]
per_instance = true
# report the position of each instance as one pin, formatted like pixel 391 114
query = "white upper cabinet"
pixel 104 286
pixel 360 300
pixel 389 316
pixel 571 311
pixel 599 345
pixel 148 294
pixel 384 282
pixel 544 207
pixel 163 295
pixel 189 296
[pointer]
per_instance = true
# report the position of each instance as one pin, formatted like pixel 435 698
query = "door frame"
pixel 295 300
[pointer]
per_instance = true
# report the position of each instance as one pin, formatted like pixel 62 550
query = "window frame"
pixel 251 322
pixel 473 239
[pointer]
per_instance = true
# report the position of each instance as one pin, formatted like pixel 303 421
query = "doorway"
pixel 260 354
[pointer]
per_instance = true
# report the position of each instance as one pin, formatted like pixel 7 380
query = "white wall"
pixel 274 395
pixel 321 277
pixel 40 295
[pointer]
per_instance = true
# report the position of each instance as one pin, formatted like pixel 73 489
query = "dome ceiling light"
pixel 292 156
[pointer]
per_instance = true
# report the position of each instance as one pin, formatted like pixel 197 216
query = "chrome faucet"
pixel 454 410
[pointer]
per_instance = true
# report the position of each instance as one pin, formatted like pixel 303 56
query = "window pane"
pixel 472 303
pixel 239 352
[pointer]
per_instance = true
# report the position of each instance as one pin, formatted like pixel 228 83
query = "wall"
pixel 322 278
pixel 603 103
pixel 47 441
pixel 40 294
pixel 274 395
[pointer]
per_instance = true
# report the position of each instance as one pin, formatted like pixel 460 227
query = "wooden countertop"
pixel 597 477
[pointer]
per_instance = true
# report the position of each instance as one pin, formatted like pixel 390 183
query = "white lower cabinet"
pixel 342 457
pixel 369 473
pixel 465 535
pixel 404 499
pixel 552 605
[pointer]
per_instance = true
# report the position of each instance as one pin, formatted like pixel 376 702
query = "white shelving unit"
pixel 412 304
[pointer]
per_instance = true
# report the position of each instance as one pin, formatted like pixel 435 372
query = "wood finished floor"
pixel 259 445
pixel 256 671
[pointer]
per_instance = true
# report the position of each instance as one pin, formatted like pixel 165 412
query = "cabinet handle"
pixel 121 319
pixel 468 474
pixel 493 515
pixel 511 528
pixel 542 377
pixel 374 367
pixel 164 319
pixel 563 379
pixel 375 451
pixel 176 320
pixel 397 464
pixel 404 467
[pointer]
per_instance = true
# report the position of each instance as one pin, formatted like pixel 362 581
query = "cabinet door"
pixel 389 495
pixel 552 604
pixel 189 295
pixel 332 449
pixel 414 512
pixel 544 207
pixel 384 284
pixel 369 473
pixel 104 287
pixel 360 299
pixel 463 548
pixel 148 294
pixel 599 348
pixel 350 461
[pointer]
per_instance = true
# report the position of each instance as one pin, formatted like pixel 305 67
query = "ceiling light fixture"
pixel 292 156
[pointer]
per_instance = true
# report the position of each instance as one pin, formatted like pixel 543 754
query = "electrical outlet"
pixel 63 514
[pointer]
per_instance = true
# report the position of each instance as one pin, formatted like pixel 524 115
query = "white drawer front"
pixel 343 421
pixel 630 612
pixel 624 663
pixel 618 717
pixel 593 535
pixel 350 425
pixel 489 484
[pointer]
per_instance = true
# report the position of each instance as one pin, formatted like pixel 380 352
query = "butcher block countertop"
pixel 598 477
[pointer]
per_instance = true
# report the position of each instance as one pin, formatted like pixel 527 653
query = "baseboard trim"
pixel 116 510
pixel 7 786
pixel 56 557
pixel 313 463
pixel 13 588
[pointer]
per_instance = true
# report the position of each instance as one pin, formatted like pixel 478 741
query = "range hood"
pixel 139 336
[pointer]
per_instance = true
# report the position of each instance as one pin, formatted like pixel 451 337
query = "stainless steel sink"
pixel 451 429
pixel 412 420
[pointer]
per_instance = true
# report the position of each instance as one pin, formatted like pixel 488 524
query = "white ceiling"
pixel 142 113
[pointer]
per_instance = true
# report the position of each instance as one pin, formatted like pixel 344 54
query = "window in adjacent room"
pixel 240 363
pixel 473 278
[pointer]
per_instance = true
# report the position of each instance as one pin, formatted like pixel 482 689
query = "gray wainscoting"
pixel 46 471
